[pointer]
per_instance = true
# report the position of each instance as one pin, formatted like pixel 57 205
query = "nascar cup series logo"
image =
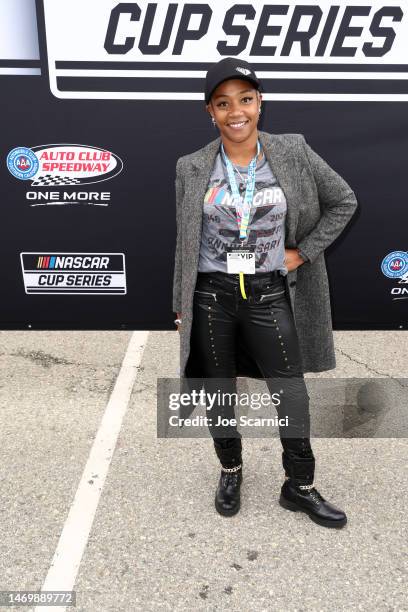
pixel 63 164
pixel 300 49
pixel 74 273
pixel 395 265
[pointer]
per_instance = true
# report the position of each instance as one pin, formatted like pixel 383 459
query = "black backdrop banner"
pixel 92 127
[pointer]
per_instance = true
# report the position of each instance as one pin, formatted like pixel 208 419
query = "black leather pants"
pixel 266 325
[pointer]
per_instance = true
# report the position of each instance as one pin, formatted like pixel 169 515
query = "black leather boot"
pixel 309 500
pixel 227 496
pixel 298 492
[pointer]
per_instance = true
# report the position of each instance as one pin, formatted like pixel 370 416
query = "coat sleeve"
pixel 178 254
pixel 337 202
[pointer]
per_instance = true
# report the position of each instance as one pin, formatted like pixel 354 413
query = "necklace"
pixel 244 180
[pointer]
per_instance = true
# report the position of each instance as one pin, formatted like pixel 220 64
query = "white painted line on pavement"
pixel 74 537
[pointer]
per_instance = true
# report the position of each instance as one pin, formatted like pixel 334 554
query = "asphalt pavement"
pixel 93 501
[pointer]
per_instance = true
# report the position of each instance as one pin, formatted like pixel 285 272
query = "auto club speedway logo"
pixel 335 50
pixel 74 273
pixel 395 265
pixel 62 165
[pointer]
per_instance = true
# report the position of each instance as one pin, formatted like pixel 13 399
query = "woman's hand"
pixel 179 316
pixel 292 259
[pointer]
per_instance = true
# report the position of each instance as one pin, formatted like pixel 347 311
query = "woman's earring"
pixel 213 121
pixel 259 110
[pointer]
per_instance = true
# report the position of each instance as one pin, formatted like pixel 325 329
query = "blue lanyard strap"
pixel 243 205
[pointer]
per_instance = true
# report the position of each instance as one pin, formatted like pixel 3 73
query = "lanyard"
pixel 243 206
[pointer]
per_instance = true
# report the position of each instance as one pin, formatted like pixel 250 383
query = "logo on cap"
pixel 243 70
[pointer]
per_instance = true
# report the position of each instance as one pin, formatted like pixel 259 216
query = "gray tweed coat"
pixel 319 205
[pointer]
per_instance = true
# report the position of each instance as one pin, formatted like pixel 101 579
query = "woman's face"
pixel 235 101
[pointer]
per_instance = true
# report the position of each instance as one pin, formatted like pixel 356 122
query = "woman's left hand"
pixel 292 259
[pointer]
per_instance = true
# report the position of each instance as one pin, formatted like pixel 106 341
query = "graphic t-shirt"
pixel 266 228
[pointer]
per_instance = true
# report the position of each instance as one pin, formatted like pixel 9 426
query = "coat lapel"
pixel 283 166
pixel 195 188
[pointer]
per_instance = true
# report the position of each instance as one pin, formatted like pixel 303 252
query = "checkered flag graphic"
pixel 54 179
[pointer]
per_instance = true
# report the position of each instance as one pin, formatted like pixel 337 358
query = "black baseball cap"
pixel 229 68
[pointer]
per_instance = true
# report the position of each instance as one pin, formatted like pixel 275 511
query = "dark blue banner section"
pixel 90 140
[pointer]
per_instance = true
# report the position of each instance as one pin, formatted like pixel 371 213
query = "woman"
pixel 255 212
